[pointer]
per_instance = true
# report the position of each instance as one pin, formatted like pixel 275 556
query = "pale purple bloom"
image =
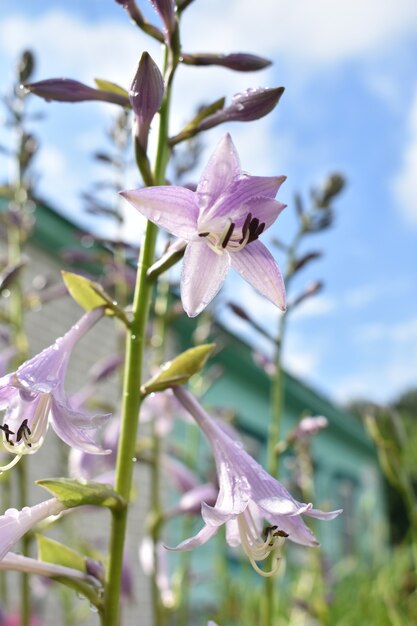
pixel 221 221
pixel 69 90
pixel 145 95
pixel 33 396
pixel 14 524
pixel 309 426
pixel 20 563
pixel 247 492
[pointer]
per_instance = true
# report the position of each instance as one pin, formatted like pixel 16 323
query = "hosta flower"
pixel 33 396
pixel 221 221
pixel 246 493
pixel 14 524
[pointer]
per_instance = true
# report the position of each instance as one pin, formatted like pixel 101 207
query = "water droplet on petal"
pixel 13 513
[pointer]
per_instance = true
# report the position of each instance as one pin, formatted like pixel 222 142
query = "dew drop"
pixel 13 513
pixel 156 216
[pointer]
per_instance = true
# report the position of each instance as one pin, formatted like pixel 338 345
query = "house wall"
pixel 43 326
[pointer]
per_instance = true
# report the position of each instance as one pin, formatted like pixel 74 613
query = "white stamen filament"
pixel 255 548
pixel 215 240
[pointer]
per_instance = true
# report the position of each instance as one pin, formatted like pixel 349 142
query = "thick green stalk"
pixel 20 340
pixel 277 410
pixel 135 346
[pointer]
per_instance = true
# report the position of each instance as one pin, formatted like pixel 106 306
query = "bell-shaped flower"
pixel 14 524
pixel 33 396
pixel 247 493
pixel 221 221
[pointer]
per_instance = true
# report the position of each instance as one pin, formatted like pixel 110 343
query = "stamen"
pixel 4 468
pixel 246 226
pixel 24 432
pixel 253 227
pixel 7 433
pixel 228 235
pixel 203 234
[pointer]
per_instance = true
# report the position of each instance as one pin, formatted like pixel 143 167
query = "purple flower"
pixel 34 395
pixel 247 493
pixel 221 221
pixel 14 524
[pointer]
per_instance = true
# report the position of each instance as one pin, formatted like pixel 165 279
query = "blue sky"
pixel 350 105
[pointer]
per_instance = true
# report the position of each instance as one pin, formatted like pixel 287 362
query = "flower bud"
pixel 68 90
pixel 145 95
pixel 25 66
pixel 240 61
pixel 166 10
pixel 250 105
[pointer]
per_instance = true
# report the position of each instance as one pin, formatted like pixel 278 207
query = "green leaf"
pixel 107 85
pixel 55 552
pixel 205 112
pixel 179 370
pixel 90 295
pixel 51 551
pixel 72 493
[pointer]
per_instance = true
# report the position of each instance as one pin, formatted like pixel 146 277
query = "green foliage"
pixel 55 552
pixel 107 85
pixel 179 370
pixel 91 295
pixel 74 493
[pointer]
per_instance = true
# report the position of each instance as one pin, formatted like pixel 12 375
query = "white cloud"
pixel 315 306
pixel 313 33
pixel 405 182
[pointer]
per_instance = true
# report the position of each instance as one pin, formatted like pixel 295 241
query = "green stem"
pixel 135 345
pixel 277 410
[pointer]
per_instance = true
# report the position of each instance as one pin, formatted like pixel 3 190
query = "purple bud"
pixel 250 105
pixel 240 61
pixel 145 96
pixel 166 10
pixel 68 90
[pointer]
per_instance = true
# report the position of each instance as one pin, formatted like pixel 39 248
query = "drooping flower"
pixel 14 524
pixel 33 396
pixel 221 221
pixel 247 493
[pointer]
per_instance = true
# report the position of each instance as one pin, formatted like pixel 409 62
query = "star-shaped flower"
pixel 33 396
pixel 247 493
pixel 221 221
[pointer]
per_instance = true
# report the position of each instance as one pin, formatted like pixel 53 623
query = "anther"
pixel 24 432
pixel 7 433
pixel 228 234
pixel 203 234
pixel 253 228
pixel 246 226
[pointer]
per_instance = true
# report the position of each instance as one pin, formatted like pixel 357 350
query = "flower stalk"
pixel 135 345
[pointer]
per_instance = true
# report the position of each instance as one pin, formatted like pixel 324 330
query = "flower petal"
pixel 324 515
pixel 198 540
pixel 251 194
pixel 203 273
pixel 172 208
pixel 8 390
pixel 221 170
pixel 215 516
pixel 257 265
pixel 77 428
